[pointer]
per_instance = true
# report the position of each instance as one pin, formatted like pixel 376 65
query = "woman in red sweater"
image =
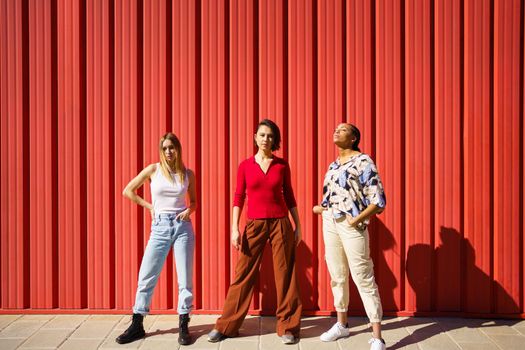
pixel 265 179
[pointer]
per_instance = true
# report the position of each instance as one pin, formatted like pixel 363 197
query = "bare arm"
pixel 236 214
pixel 192 192
pixel 365 214
pixel 192 195
pixel 131 188
pixel 318 209
pixel 235 235
pixel 297 222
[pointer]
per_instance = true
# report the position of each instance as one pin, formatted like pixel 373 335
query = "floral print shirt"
pixel 351 187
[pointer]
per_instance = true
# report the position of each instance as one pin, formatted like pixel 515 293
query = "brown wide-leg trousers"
pixel 282 239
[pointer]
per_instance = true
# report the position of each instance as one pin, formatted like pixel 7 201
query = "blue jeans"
pixel 166 232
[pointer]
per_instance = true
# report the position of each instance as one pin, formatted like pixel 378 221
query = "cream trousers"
pixel 347 248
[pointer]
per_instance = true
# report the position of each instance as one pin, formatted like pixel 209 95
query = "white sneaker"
pixel 376 344
pixel 337 331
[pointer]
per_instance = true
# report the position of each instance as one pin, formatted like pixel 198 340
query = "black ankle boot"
pixel 184 333
pixel 134 332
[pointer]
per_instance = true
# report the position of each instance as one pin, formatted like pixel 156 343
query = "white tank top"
pixel 168 197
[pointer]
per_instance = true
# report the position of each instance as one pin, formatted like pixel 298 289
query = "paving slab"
pixel 395 334
pixel 407 343
pixel 21 329
pixel 37 317
pixel 110 318
pixel 171 318
pixel 6 320
pixel 201 343
pixel 509 342
pixel 65 322
pixel 94 329
pixel 85 332
pixel 430 328
pixel 10 344
pixel 80 344
pixel 437 342
pixel 159 344
pixel 272 341
pixel 47 338
pixel 268 325
pixel 236 344
pixel 478 346
pixel 520 326
pixel 497 327
pixel 110 343
pixel 313 327
pixel 250 329
pixel 357 341
pixel 468 335
pixel 163 330
pixel 318 345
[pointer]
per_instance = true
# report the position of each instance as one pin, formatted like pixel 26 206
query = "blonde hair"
pixel 180 169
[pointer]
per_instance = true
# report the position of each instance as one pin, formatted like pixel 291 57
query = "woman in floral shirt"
pixel 352 193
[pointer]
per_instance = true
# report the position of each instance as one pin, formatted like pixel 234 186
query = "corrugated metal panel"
pixel 507 122
pixel 361 110
pixel 389 148
pixel 418 156
pixel 329 71
pixel 477 143
pixel 128 149
pixel 273 80
pixel 155 119
pixel 185 113
pixel 435 87
pixel 522 160
pixel 214 149
pixel 447 174
pixel 100 159
pixel 43 188
pixel 301 148
pixel 72 242
pixel 272 65
pixel 14 168
pixel 243 100
pixel 360 106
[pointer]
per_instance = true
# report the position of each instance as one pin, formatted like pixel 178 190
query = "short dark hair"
pixel 355 131
pixel 276 144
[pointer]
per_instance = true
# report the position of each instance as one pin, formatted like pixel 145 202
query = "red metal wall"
pixel 88 86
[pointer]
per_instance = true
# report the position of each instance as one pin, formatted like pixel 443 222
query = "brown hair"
pixel 276 144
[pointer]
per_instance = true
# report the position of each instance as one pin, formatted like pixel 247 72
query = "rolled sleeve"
pixel 372 186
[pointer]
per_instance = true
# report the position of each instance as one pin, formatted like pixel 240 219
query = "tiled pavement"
pixel 84 332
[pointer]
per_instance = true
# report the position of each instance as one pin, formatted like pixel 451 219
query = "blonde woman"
pixel 171 182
